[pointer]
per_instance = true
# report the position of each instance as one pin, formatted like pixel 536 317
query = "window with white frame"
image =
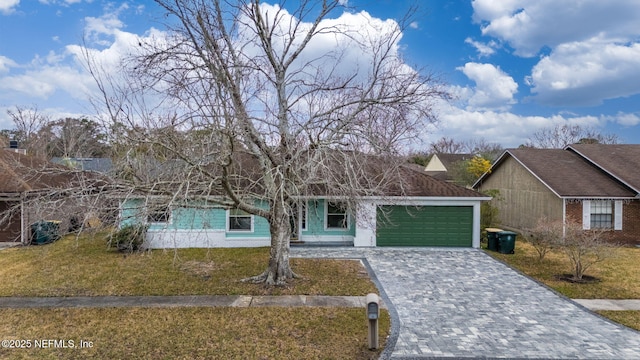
pixel 239 220
pixel 601 214
pixel 337 216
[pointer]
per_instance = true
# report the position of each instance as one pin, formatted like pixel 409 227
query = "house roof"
pixel 565 173
pixel 102 165
pixel 345 174
pixel 22 173
pixel 440 164
pixel 619 161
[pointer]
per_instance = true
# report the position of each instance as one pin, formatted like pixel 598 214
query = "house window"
pixel 239 220
pixel 601 214
pixel 159 215
pixel 337 217
pixel 303 216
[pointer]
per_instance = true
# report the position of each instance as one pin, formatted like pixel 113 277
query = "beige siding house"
pixel 597 185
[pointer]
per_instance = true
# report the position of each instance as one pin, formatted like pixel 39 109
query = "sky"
pixel 513 66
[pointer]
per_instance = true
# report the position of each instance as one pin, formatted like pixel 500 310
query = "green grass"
pixel 84 267
pixel 192 333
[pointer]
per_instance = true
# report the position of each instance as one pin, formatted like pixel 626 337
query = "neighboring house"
pixel 101 165
pixel 430 212
pixel 32 190
pixel 443 166
pixel 595 184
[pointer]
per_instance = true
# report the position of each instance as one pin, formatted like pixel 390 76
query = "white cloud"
pixel 506 128
pixel 482 49
pixel 586 73
pixel 6 64
pixel 414 25
pixel 625 119
pixel 494 88
pixel 8 6
pixel 528 25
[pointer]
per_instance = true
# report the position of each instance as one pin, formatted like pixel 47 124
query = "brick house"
pixel 596 184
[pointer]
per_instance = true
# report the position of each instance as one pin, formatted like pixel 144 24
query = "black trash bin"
pixel 44 232
pixel 506 242
pixel 492 238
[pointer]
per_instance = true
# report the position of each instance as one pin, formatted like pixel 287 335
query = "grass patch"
pixel 193 333
pixel 619 276
pixel 626 318
pixel 84 267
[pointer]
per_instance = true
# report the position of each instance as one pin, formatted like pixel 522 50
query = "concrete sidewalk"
pixel 605 304
pixel 240 301
pixel 182 301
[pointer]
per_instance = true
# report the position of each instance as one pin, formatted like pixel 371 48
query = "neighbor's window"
pixel 240 220
pixel 337 217
pixel 601 214
pixel 159 215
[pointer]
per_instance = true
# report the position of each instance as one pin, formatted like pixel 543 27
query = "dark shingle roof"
pixel 23 173
pixel 621 161
pixel 567 174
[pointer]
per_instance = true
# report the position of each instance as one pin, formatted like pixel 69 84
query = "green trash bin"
pixel 506 242
pixel 44 232
pixel 492 238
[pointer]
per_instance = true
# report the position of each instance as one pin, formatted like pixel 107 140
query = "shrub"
pixel 584 247
pixel 129 238
pixel 489 213
pixel 544 236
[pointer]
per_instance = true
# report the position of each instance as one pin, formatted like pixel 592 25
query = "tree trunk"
pixel 279 270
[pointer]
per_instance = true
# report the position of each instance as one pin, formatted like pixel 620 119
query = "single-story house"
pixel 33 190
pixel 441 165
pixel 595 184
pixel 429 212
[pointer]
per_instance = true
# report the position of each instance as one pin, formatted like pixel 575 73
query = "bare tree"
pixel 248 106
pixel 75 138
pixel 28 123
pixel 559 136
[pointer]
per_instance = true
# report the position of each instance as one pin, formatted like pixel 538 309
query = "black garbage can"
pixel 506 242
pixel 492 238
pixel 44 232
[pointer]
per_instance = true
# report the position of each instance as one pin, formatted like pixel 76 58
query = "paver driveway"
pixel 463 303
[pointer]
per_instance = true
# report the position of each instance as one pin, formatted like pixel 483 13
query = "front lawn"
pixel 616 278
pixel 189 333
pixel 84 267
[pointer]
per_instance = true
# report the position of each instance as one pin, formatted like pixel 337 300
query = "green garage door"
pixel 425 226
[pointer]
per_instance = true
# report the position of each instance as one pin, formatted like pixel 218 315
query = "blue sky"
pixel 515 66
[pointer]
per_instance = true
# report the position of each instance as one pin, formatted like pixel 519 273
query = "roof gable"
pixel 619 161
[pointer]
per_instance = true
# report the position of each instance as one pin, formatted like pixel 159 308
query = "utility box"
pixel 373 314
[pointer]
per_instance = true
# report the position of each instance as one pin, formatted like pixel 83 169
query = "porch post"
pixel 365 224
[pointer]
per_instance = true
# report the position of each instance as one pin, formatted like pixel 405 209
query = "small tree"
pixel 544 235
pixel 584 248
